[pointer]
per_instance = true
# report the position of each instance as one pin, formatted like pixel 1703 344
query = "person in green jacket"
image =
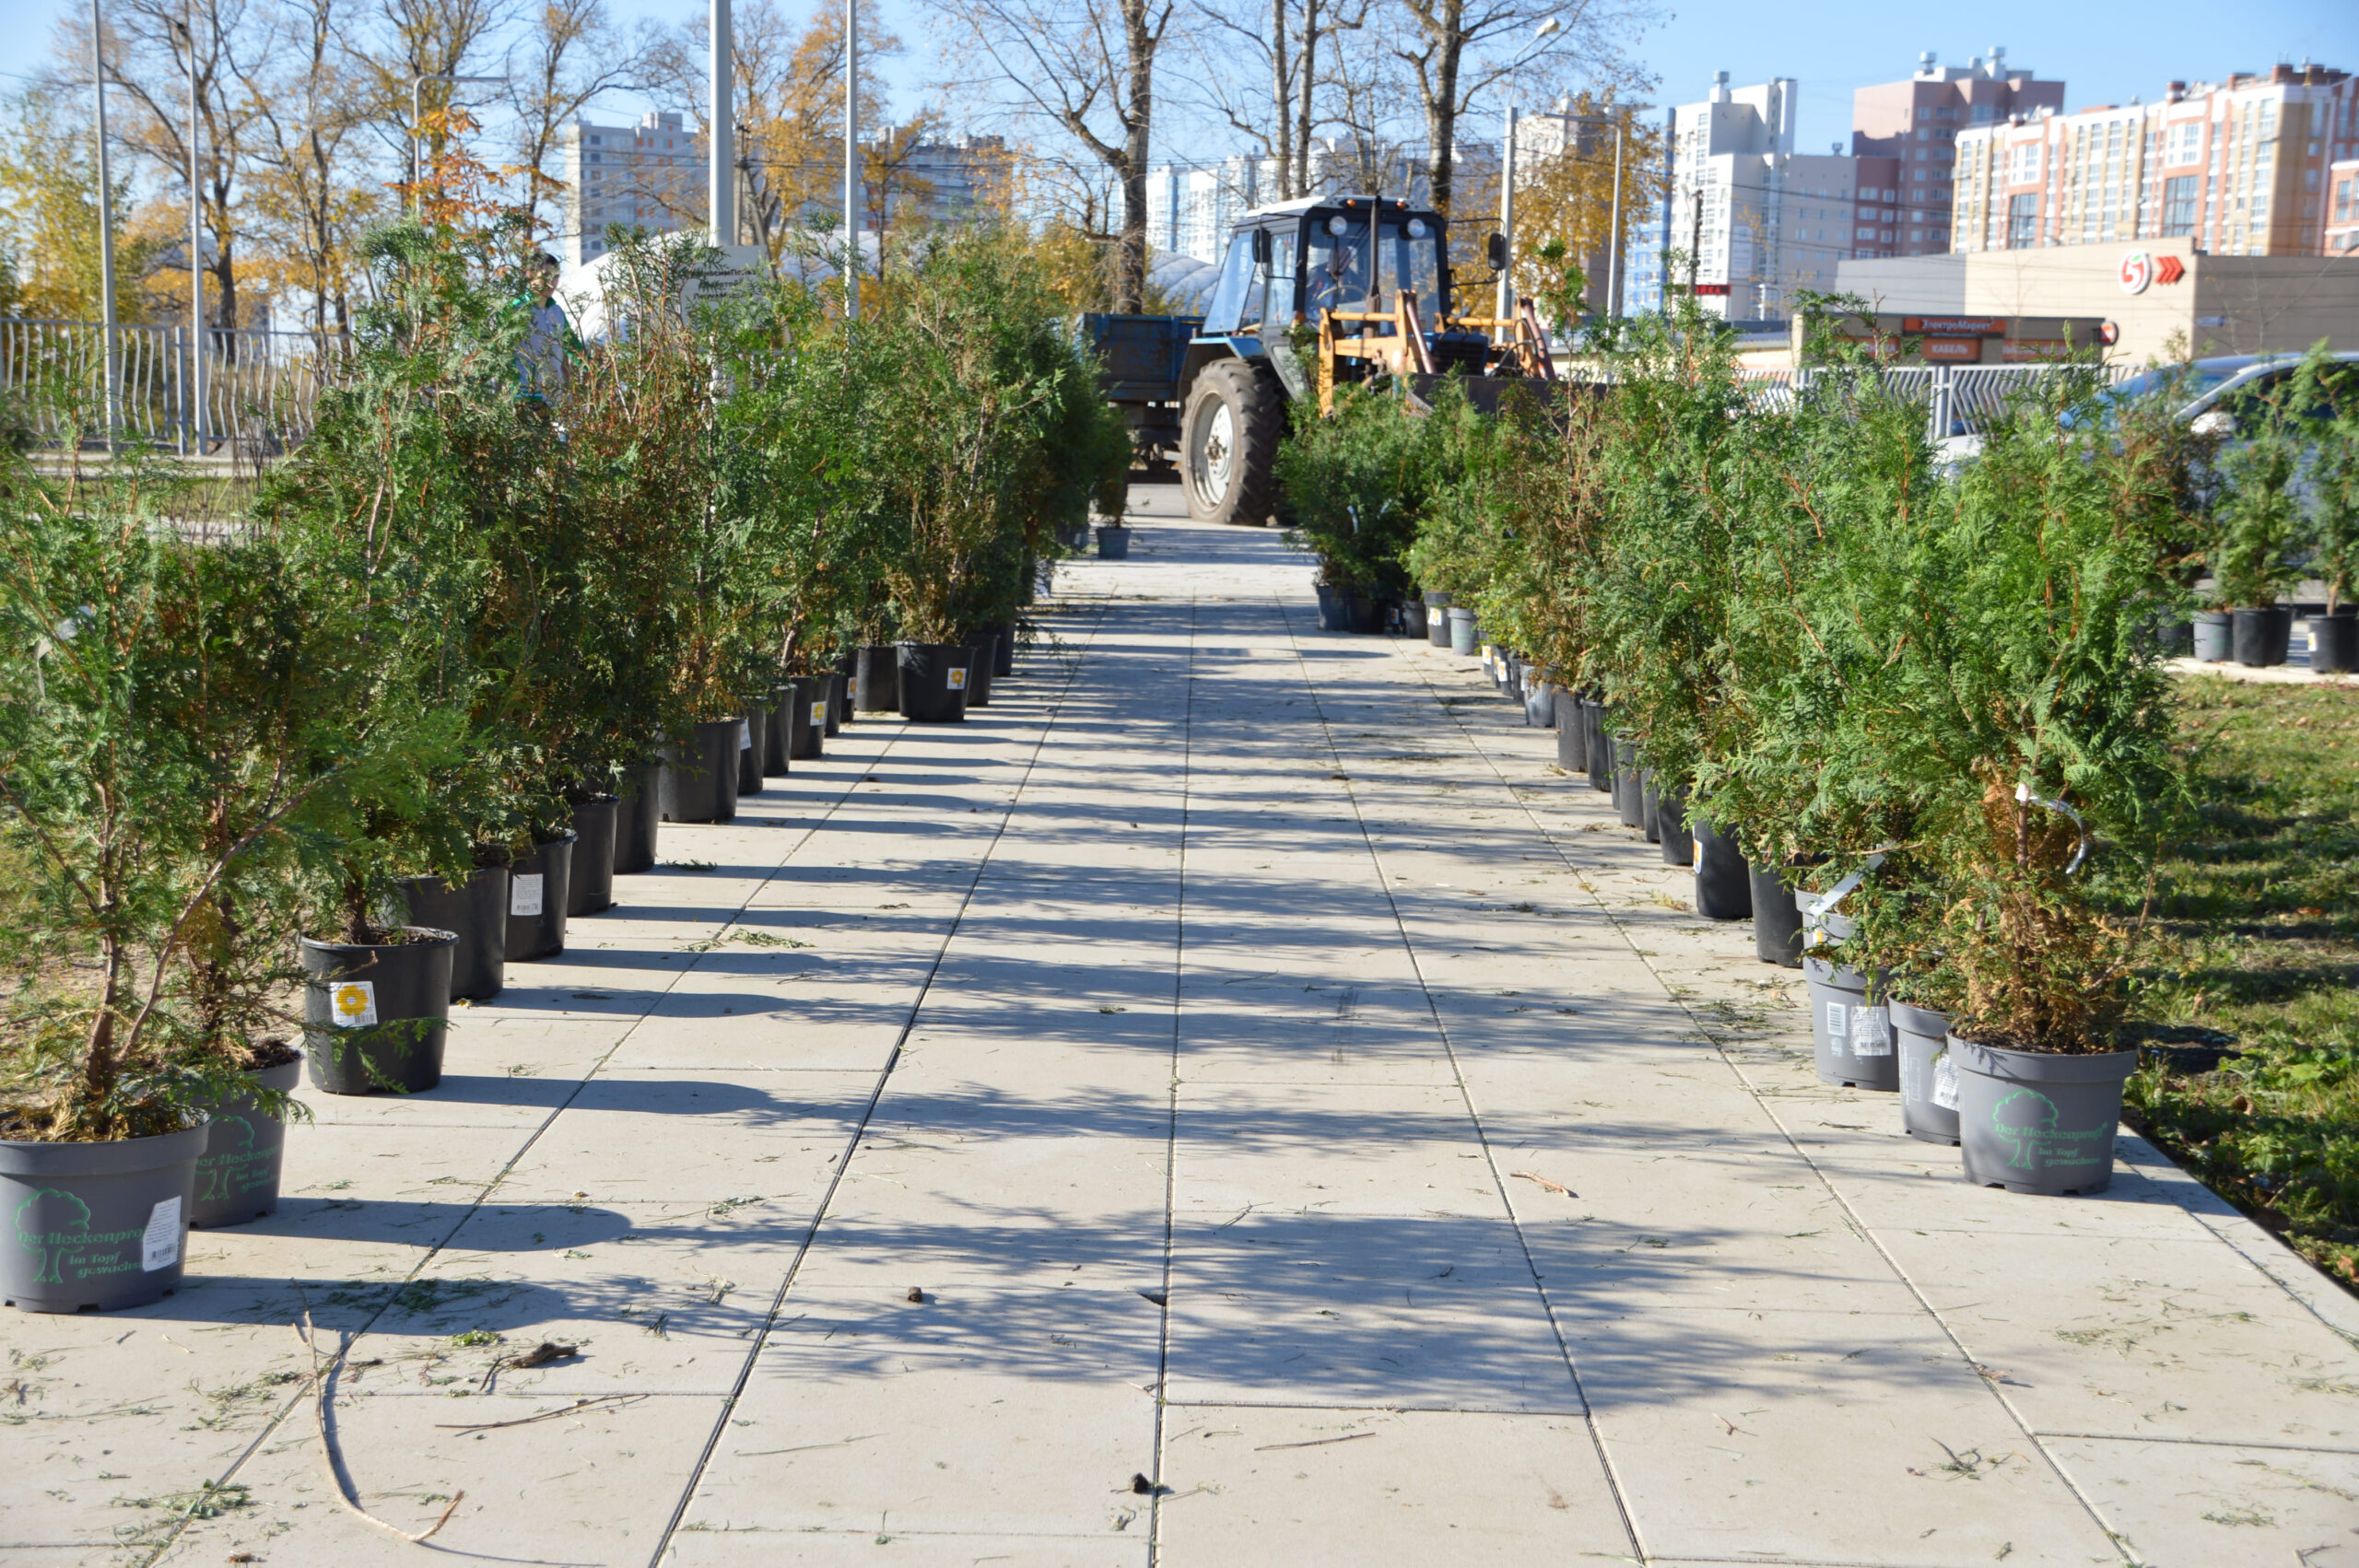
pixel 540 362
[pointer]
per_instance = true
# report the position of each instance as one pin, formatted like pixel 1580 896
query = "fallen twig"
pixel 614 1401
pixel 1552 1186
pixel 323 1385
pixel 1314 1443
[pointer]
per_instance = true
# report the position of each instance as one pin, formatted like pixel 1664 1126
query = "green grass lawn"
pixel 2249 998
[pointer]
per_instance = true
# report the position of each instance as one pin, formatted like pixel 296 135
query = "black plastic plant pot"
pixel 838 710
pixel 1572 742
pixel 1465 636
pixel 375 1017
pixel 933 682
pixel 700 781
pixel 1625 783
pixel 807 731
pixel 876 680
pixel 1650 806
pixel 1851 1028
pixel 1366 614
pixel 2334 643
pixel 97 1226
pixel 1601 748
pixel 753 741
pixel 590 883
pixel 637 815
pixel 1415 620
pixel 1113 542
pixel 1723 882
pixel 777 754
pixel 477 911
pixel 2213 642
pixel 985 649
pixel 237 1179
pixel 538 887
pixel 1004 661
pixel 1539 700
pixel 1777 922
pixel 1437 620
pixel 1330 619
pixel 1928 1075
pixel 2263 637
pixel 2033 1121
pixel 1671 828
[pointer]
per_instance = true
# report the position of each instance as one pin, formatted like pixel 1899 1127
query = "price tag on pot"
pixel 745 734
pixel 957 677
pixel 1839 1027
pixel 353 1003
pixel 1945 1082
pixel 819 714
pixel 524 894
pixel 1870 1031
pixel 159 1245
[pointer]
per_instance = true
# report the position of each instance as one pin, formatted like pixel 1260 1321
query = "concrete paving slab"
pixel 1257 1484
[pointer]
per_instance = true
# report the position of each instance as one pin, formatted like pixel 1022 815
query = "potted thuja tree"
pixel 387 501
pixel 2027 721
pixel 147 817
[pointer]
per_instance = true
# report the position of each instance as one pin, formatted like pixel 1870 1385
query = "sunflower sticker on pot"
pixel 957 677
pixel 354 1003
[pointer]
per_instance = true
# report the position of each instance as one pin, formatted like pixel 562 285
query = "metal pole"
pixel 1504 305
pixel 195 249
pixel 416 173
pixel 106 224
pixel 851 160
pixel 1613 246
pixel 722 176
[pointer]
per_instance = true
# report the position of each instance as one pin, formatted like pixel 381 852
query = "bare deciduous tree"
pixel 1088 69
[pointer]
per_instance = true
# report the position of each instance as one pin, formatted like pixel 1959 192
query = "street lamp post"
pixel 106 223
pixel 851 160
pixel 198 345
pixel 1507 173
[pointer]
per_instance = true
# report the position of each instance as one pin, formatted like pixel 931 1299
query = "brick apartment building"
pixel 2247 167
pixel 1905 134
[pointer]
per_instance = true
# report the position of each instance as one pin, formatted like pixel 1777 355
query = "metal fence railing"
pixel 1959 399
pixel 260 387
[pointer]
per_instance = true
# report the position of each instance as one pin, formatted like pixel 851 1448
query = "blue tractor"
pixel 1292 315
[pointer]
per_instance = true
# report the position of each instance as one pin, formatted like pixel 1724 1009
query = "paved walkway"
pixel 1231 1103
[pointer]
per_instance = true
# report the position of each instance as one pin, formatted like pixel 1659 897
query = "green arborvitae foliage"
pixel 156 732
pixel 1354 483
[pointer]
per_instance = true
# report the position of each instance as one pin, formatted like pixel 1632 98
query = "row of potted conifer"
pixel 472 641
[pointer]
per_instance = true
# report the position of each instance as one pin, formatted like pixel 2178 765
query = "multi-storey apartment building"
pixel 2343 207
pixel 651 176
pixel 1754 221
pixel 2243 167
pixel 1905 136
pixel 647 176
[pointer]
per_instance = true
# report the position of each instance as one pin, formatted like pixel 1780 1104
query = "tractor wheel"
pixel 1228 443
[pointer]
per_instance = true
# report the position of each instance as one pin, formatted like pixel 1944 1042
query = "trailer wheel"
pixel 1228 443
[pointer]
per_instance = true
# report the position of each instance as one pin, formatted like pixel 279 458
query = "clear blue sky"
pixel 2104 54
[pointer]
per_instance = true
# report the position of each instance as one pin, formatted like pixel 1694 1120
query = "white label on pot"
pixel 524 894
pixel 1870 1031
pixel 819 713
pixel 354 1003
pixel 957 677
pixel 1838 1028
pixel 1945 1082
pixel 160 1248
pixel 745 734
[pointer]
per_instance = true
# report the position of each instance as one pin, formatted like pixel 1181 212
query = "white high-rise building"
pixel 1756 221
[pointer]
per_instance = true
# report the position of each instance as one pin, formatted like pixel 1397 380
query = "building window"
pixel 2027 167
pixel 2023 221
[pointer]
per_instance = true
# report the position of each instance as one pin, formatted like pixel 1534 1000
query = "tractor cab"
pixel 1312 294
